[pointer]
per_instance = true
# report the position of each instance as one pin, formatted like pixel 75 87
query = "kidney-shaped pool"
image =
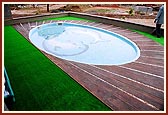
pixel 84 44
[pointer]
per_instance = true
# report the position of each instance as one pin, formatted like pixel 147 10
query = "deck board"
pixel 155 61
pixel 143 68
pixel 125 84
pixel 136 86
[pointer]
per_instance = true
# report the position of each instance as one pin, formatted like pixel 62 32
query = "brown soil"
pixel 42 9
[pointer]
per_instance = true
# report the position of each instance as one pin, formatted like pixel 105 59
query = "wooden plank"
pixel 155 54
pixel 21 30
pixel 140 43
pixel 155 61
pixel 33 25
pixel 137 76
pixel 144 68
pixel 132 87
pixel 39 23
pixel 156 48
pixel 47 21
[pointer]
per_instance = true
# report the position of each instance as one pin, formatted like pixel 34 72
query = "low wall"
pixel 101 19
pixel 116 22
pixel 33 18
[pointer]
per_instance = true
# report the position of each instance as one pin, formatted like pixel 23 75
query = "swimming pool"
pixel 84 44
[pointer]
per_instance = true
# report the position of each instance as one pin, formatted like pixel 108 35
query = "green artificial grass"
pixel 40 85
pixel 154 38
pixel 68 18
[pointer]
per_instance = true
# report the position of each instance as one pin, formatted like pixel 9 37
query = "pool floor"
pixel 136 86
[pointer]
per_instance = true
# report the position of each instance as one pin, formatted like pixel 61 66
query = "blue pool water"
pixel 84 44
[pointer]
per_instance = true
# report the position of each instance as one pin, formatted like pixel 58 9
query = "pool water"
pixel 84 44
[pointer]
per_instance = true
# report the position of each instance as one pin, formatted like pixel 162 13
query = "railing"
pixel 8 92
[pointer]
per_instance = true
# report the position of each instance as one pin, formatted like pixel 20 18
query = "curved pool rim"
pixel 123 38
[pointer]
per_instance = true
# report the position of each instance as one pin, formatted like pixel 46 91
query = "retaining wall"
pixel 101 19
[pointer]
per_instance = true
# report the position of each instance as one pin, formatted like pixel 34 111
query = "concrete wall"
pixel 116 22
pixel 33 18
pixel 101 19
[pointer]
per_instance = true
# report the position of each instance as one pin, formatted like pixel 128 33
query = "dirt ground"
pixel 42 9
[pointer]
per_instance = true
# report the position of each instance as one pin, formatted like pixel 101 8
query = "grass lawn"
pixel 38 84
pixel 154 38
pixel 69 18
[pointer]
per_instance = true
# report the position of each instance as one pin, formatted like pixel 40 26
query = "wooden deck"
pixel 137 86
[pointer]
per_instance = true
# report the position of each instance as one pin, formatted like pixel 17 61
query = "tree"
pixel 7 12
pixel 48 7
